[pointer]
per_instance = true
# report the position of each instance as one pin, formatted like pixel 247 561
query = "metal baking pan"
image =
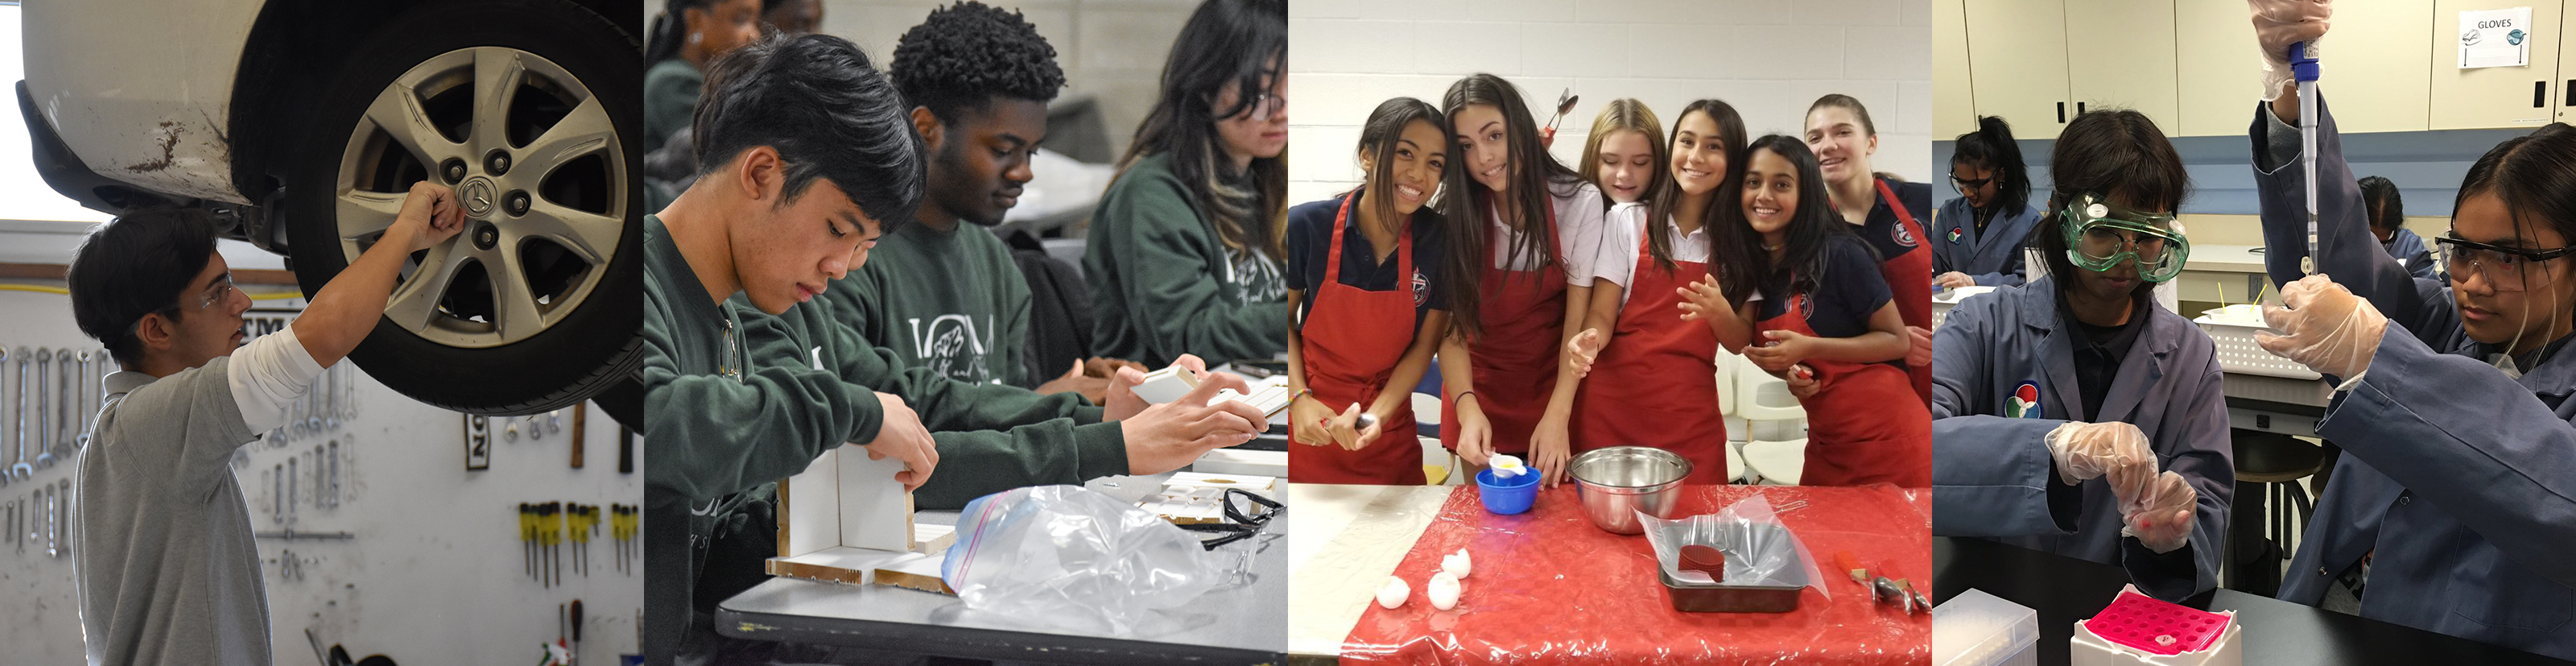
pixel 1724 598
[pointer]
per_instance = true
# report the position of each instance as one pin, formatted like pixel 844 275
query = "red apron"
pixel 1909 280
pixel 1861 429
pixel 1349 351
pixel 1514 361
pixel 1656 383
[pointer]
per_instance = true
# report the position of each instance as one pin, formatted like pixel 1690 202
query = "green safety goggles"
pixel 2101 235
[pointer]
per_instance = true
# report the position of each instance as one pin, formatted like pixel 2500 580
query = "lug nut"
pixel 453 169
pixel 486 236
pixel 497 163
pixel 517 202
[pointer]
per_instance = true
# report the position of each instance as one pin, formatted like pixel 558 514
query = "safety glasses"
pixel 1247 519
pixel 1963 185
pixel 2505 268
pixel 2101 235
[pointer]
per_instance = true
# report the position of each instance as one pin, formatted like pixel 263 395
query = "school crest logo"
pixel 2024 403
pixel 1955 235
pixel 1421 289
pixel 1903 236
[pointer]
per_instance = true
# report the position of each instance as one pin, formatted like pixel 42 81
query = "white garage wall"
pixel 1769 59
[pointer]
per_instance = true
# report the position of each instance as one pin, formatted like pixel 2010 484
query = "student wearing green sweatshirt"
pixel 945 295
pixel 687 37
pixel 790 121
pixel 1185 247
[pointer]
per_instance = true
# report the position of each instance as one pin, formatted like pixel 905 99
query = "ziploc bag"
pixel 1076 558
pixel 1759 550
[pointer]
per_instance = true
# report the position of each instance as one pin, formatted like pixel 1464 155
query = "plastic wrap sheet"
pixel 1550 588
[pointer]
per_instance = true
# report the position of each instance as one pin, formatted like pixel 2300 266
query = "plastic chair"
pixel 1776 463
pixel 1426 415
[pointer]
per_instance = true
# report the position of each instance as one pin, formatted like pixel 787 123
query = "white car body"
pixel 172 75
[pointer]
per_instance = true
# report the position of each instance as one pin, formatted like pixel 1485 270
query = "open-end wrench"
pixel 277 495
pixel 22 470
pixel 66 411
pixel 293 479
pixel 88 415
pixel 20 356
pixel 334 486
pixel 53 522
pixel 65 531
pixel 44 409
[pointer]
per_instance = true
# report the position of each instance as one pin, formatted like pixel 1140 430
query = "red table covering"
pixel 1550 588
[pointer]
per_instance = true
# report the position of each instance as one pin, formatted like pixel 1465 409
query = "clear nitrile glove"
pixel 2086 450
pixel 2280 23
pixel 2324 327
pixel 2161 518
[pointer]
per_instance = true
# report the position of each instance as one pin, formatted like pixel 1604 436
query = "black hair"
pixel 965 55
pixel 1238 43
pixel 2116 154
pixel 1537 178
pixel 1725 208
pixel 2534 175
pixel 135 265
pixel 2380 203
pixel 1378 135
pixel 1992 147
pixel 829 114
pixel 1743 266
pixel 670 29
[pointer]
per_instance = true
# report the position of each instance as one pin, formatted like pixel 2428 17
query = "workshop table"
pixel 2276 633
pixel 1237 624
pixel 1548 585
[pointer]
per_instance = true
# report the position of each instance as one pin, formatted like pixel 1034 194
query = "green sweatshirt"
pixel 990 437
pixel 949 301
pixel 711 427
pixel 1163 285
pixel 671 90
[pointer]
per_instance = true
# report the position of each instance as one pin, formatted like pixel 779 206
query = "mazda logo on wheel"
pixel 478 194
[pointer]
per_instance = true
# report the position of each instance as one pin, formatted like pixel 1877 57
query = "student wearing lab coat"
pixel 1624 155
pixel 1359 266
pixel 2038 390
pixel 1886 212
pixel 1800 297
pixel 1981 232
pixel 1523 232
pixel 1653 365
pixel 2387 213
pixel 2450 508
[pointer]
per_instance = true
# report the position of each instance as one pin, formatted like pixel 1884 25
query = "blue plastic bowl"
pixel 1507 496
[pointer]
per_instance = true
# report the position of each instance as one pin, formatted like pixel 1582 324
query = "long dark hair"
pixel 1536 176
pixel 2114 153
pixel 1744 266
pixel 1225 43
pixel 2533 174
pixel 670 29
pixel 1377 140
pixel 1992 147
pixel 1724 206
pixel 2380 203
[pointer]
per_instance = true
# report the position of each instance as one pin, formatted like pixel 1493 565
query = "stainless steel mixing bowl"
pixel 1617 482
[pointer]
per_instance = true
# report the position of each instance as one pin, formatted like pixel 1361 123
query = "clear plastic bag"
pixel 1075 558
pixel 1759 550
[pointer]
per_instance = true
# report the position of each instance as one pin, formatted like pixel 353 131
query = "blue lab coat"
pixel 1991 471
pixel 2461 479
pixel 1993 258
pixel 2409 250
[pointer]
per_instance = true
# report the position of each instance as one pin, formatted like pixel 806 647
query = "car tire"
pixel 537 304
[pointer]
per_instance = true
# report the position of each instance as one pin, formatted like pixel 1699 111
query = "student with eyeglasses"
pixel 2453 508
pixel 1186 253
pixel 161 542
pixel 1978 236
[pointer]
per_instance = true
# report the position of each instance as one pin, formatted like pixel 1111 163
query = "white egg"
pixel 1443 590
pixel 1457 563
pixel 1394 594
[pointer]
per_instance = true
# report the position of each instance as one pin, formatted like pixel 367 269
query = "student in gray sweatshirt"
pixel 162 548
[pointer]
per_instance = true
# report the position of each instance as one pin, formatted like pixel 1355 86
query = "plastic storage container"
pixel 2138 630
pixel 1980 629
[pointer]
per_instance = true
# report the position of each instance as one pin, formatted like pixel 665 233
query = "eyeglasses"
pixel 220 290
pixel 2505 268
pixel 1247 520
pixel 1266 105
pixel 1962 186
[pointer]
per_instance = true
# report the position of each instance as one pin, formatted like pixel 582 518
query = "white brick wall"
pixel 1769 58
